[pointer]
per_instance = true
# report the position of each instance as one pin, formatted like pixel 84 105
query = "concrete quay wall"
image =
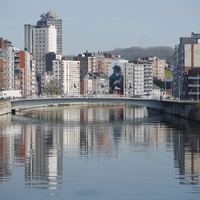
pixel 5 106
pixel 189 110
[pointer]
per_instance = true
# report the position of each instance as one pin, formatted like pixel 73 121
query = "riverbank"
pixel 5 106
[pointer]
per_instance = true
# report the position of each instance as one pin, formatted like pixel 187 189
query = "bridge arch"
pixel 34 102
pixel 185 109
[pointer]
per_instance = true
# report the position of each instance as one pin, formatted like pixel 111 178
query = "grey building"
pixel 134 79
pixel 186 57
pixel 49 61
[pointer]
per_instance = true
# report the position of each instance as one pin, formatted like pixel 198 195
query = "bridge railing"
pixel 85 96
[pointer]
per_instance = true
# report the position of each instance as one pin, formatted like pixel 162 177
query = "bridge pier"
pixel 5 106
pixel 13 111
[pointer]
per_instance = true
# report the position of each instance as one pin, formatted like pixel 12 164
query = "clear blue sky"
pixel 107 24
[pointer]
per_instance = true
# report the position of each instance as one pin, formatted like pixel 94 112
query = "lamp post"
pixel 198 87
pixel 179 88
pixel 86 84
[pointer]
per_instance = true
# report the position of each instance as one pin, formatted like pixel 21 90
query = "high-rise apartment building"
pixel 134 79
pixel 34 86
pixel 146 63
pixel 148 79
pixel 43 38
pixel 50 18
pixel 186 57
pixel 40 40
pixel 7 50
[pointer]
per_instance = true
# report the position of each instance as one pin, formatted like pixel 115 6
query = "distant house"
pixel 156 92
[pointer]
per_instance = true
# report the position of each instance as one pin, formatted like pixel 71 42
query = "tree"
pixel 54 87
pixel 162 84
pixel 159 83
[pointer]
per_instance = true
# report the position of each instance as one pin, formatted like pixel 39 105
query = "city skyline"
pixel 105 25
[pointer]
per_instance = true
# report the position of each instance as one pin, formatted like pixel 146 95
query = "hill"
pixel 136 52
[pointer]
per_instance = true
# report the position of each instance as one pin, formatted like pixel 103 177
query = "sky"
pixel 92 25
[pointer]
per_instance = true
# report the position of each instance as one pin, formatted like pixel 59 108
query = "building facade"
pixel 51 18
pixel 67 72
pixel 8 52
pixel 148 79
pixel 158 68
pixel 133 79
pixel 147 63
pixel 92 62
pixel 40 40
pixel 186 57
pixel 3 72
pixel 34 84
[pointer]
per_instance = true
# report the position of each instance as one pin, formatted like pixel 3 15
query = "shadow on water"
pixel 181 124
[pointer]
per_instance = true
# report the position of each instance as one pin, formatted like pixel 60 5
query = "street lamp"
pixel 165 88
pixel 198 87
pixel 179 88
pixel 86 85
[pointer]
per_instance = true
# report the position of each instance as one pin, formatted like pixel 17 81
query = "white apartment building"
pixel 40 40
pixel 133 79
pixel 9 56
pixel 148 79
pixel 34 84
pixel 10 59
pixel 17 84
pixel 67 72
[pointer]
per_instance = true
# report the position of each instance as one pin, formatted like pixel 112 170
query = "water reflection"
pixel 6 157
pixel 41 139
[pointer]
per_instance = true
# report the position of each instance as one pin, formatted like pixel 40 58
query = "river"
pixel 98 153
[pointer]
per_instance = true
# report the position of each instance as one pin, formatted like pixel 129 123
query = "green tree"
pixel 159 83
pixel 54 87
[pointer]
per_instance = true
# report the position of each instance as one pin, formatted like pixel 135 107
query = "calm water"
pixel 103 153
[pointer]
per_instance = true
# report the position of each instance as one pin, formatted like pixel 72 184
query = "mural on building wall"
pixel 116 80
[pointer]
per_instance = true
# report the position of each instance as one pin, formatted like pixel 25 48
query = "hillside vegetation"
pixel 131 53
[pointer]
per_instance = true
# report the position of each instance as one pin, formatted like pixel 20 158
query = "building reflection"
pixel 186 150
pixel 38 148
pixel 187 158
pixel 40 139
pixel 6 147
